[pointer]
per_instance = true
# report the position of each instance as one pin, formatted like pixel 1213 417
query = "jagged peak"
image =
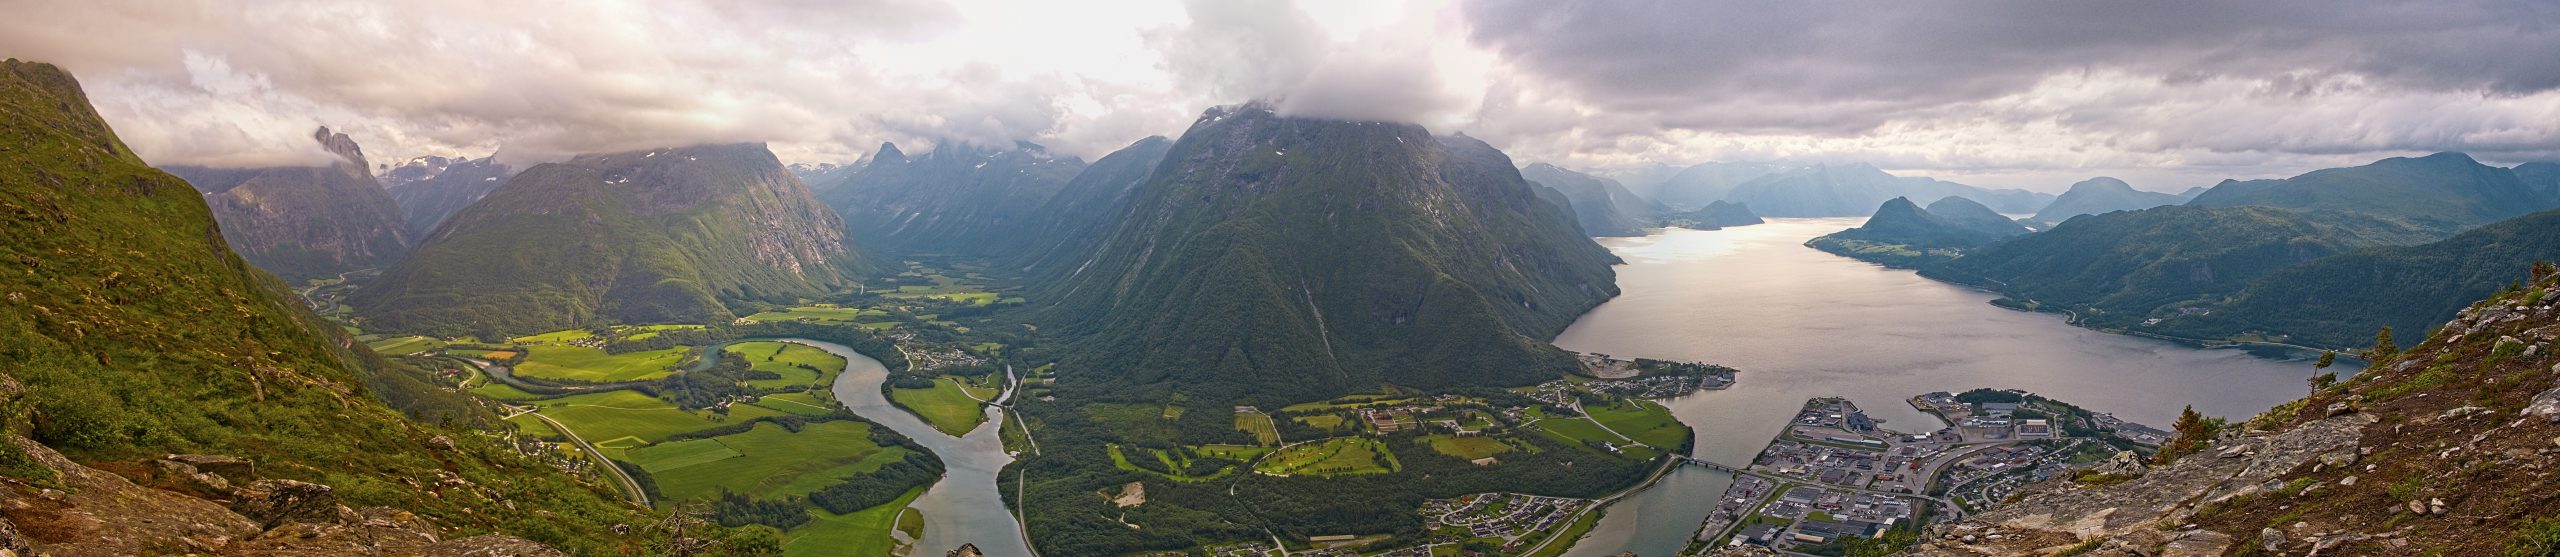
pixel 339 144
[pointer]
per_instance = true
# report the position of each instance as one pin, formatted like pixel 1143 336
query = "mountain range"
pixel 655 236
pixel 1826 190
pixel 959 198
pixel 1279 259
pixel 2103 195
pixel 1600 205
pixel 429 194
pixel 303 222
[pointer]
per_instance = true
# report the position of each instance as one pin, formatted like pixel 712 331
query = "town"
pixel 1833 473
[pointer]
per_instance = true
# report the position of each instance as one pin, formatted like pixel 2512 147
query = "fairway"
pixel 1643 421
pixel 1469 448
pixel 766 462
pixel 592 365
pixel 603 417
pixel 1331 457
pixel 1259 424
pixel 792 361
pixel 944 406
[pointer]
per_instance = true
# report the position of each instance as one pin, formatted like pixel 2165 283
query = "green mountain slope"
pixel 304 222
pixel 1081 215
pixel 1600 205
pixel 2436 196
pixel 136 333
pixel 2340 300
pixel 959 199
pixel 1282 259
pixel 1904 235
pixel 2101 195
pixel 658 236
pixel 2118 269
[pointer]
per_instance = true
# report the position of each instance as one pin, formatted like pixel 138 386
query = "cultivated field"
pixel 766 462
pixel 1259 424
pixel 945 406
pixel 579 363
pixel 626 419
pixel 1469 448
pixel 792 361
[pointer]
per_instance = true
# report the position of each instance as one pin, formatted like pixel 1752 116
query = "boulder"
pixel 2545 405
pixel 236 469
pixel 2124 463
pixel 441 443
pixel 274 502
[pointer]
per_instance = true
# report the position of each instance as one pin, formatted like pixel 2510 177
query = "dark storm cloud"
pixel 1845 67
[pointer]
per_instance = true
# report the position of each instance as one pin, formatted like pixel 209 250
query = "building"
pixel 2035 428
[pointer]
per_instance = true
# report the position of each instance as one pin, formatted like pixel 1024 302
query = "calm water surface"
pixel 1802 323
pixel 962 508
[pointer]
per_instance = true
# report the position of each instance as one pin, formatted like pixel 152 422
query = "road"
pixel 629 485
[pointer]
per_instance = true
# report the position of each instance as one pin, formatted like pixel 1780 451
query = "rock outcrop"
pixel 2448 448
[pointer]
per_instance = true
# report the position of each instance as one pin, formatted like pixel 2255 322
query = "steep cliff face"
pixel 2451 447
pixel 664 235
pixel 306 221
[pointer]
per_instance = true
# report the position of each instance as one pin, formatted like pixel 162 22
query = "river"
pixel 965 506
pixel 1801 323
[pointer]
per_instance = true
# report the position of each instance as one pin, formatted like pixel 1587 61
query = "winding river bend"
pixel 1802 323
pixel 965 506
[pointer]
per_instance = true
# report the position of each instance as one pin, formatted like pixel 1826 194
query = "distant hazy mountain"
pixel 2542 178
pixel 1072 226
pixel 1277 259
pixel 2435 196
pixel 304 222
pixel 1970 215
pixel 820 176
pixel 2191 193
pixel 1642 179
pixel 412 170
pixel 1715 215
pixel 1603 207
pixel 960 198
pixel 1850 190
pixel 1698 185
pixel 656 236
pixel 427 198
pixel 2103 195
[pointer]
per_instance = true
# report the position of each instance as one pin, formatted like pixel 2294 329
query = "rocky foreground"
pixel 2448 448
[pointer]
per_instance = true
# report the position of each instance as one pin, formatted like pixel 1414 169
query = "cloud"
pixel 2035 94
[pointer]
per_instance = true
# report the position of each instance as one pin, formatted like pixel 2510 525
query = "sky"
pixel 2036 95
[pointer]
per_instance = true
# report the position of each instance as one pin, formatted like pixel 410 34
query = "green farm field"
pixel 766 462
pixel 579 363
pixel 788 360
pixel 945 406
